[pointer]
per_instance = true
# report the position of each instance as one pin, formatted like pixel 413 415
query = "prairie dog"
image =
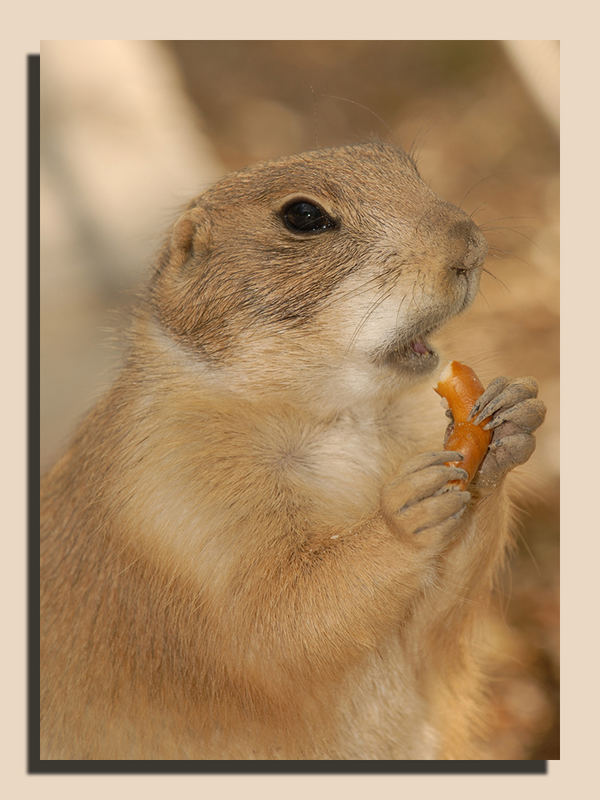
pixel 250 550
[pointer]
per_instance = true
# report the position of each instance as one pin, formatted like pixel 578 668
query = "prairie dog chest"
pixel 333 469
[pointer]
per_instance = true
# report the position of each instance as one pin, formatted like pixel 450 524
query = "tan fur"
pixel 221 578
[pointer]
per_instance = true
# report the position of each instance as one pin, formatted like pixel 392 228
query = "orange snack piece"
pixel 461 387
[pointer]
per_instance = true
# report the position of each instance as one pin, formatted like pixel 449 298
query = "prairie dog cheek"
pixel 368 314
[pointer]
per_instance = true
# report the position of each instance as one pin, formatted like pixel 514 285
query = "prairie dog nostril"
pixel 473 247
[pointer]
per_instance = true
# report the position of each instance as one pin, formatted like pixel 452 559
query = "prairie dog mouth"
pixel 409 350
pixel 417 355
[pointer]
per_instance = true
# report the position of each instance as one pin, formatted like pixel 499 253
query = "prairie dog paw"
pixel 515 414
pixel 420 499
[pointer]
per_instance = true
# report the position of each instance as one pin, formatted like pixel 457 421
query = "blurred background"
pixel 132 130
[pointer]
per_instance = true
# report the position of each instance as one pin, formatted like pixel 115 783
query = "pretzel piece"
pixel 461 388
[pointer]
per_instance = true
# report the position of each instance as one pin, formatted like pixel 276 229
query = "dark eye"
pixel 300 216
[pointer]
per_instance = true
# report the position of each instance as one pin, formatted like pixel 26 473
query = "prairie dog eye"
pixel 302 216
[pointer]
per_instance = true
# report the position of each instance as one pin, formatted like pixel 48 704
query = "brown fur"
pixel 222 576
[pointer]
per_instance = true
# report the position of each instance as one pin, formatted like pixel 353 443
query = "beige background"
pixel 578 573
pixel 131 130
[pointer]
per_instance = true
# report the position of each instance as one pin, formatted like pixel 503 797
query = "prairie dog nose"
pixel 470 248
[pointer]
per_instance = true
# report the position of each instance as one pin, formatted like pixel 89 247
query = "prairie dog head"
pixel 331 267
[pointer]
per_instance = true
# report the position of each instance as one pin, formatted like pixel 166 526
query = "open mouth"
pixel 417 355
pixel 421 347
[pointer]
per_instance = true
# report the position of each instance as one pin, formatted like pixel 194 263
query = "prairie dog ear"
pixel 190 235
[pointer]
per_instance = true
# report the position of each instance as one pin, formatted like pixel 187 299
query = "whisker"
pixel 315 117
pixel 495 250
pixel 398 312
pixel 475 210
pixel 480 291
pixel 362 287
pixel 513 256
pixel 474 186
pixel 496 278
pixel 365 108
pixel 511 230
pixel 421 134
pixel 370 311
pixel 520 219
pixel 416 284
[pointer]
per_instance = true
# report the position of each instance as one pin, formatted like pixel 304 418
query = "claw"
pixel 513 393
pixel 512 451
pixel 492 390
pixel 440 515
pixel 458 474
pixel 527 415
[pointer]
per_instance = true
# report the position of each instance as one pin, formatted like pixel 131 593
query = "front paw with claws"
pixel 513 412
pixel 421 500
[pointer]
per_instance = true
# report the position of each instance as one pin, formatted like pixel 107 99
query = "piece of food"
pixel 461 388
